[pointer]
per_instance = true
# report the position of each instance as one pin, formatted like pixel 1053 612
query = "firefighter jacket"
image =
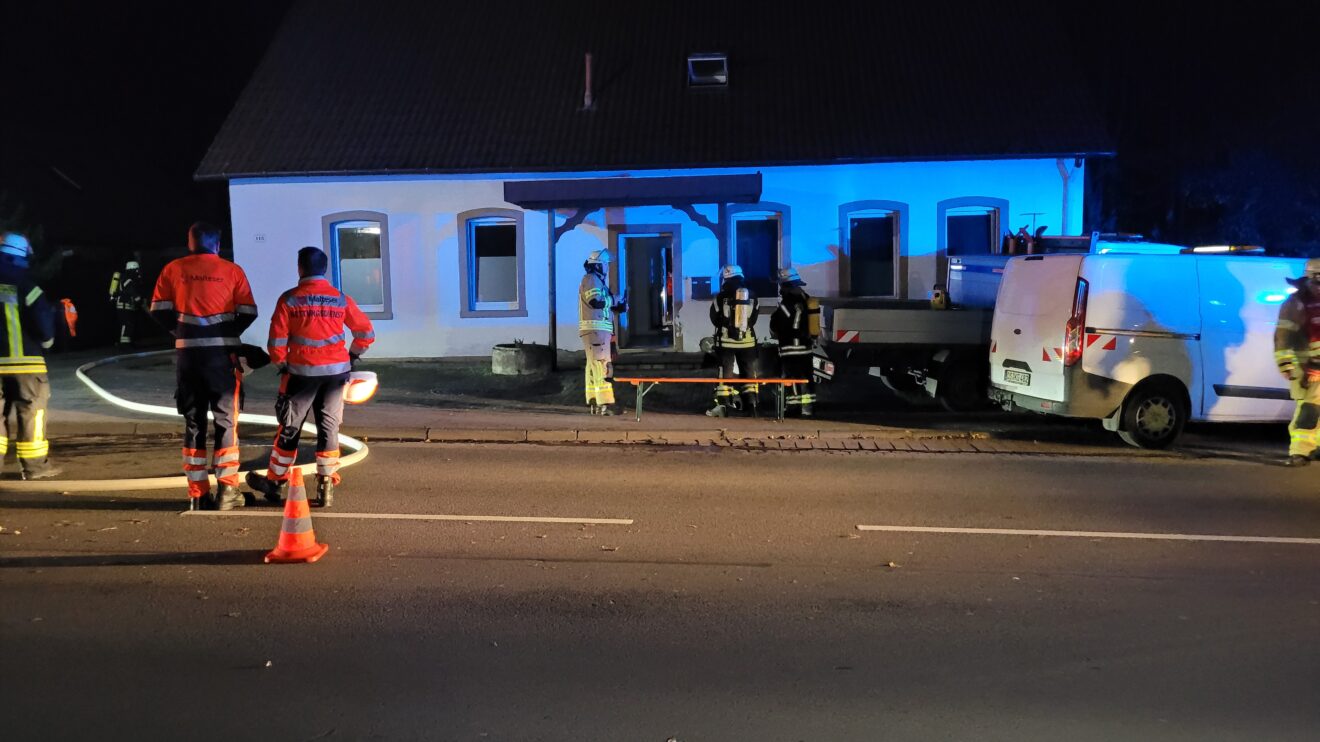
pixel 1297 336
pixel 307 330
pixel 733 313
pixel 791 323
pixel 29 326
pixel 595 305
pixel 126 289
pixel 204 300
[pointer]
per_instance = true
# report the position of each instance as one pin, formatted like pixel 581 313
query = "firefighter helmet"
pixel 1311 273
pixel 790 276
pixel 361 387
pixel 131 265
pixel 15 245
pixel 730 271
pixel 599 257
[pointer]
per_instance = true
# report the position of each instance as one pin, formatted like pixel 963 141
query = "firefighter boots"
pixel 274 492
pixel 1296 461
pixel 228 497
pixel 325 491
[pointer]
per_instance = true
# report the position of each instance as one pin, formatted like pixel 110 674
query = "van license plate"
pixel 1017 377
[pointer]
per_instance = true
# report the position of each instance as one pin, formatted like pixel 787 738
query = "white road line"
pixel 1095 534
pixel 316 515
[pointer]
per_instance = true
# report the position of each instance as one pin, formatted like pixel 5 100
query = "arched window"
pixel 491 264
pixel 358 243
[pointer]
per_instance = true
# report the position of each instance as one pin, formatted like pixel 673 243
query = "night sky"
pixel 109 108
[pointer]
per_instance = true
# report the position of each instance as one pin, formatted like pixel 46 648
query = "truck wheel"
pixel 963 386
pixel 1153 415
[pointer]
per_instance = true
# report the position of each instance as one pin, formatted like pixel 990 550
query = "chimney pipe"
pixel 588 100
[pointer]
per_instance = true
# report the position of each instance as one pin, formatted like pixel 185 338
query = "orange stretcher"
pixel 645 384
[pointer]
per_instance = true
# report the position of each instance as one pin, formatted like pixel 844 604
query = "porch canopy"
pixel 585 195
pixel 595 193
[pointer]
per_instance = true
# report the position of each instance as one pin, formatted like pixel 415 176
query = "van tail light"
pixel 1074 333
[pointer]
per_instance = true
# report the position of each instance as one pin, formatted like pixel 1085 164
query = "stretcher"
pixel 644 384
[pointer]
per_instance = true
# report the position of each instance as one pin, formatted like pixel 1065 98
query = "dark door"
pixel 647 274
pixel 871 255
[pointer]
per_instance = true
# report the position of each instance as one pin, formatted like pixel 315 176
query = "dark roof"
pixel 403 86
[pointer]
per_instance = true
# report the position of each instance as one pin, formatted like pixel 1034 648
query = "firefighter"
pixel 1297 351
pixel 733 313
pixel 308 346
pixel 29 328
pixel 126 289
pixel 596 310
pixel 206 303
pixel 795 325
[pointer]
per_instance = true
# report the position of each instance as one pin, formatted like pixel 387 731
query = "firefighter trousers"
pixel 209 380
pixel 26 395
pixel 323 398
pixel 1304 430
pixel 599 367
pixel 128 324
pixel 797 365
pixel 745 360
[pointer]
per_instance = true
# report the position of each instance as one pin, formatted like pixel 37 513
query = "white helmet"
pixel 361 387
pixel 15 245
pixel 790 276
pixel 131 265
pixel 730 271
pixel 599 257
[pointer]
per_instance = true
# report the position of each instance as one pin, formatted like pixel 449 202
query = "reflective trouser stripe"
pixel 32 449
pixel 4 445
pixel 280 461
pixel 226 465
pixel 327 463
pixel 1304 429
pixel 724 390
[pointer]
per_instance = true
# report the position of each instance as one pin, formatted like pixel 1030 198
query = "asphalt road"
pixel 741 603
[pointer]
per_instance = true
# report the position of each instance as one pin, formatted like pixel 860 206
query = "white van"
pixel 1143 342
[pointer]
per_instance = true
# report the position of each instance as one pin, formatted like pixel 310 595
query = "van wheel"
pixel 1153 416
pixel 963 385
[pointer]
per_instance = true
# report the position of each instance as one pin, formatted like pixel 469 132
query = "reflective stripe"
pixel 207 320
pixel 194 460
pixel 329 369
pixel 316 300
pixel 313 343
pixel 15 329
pixel 596 325
pixel 357 349
pixel 229 458
pixel 277 469
pixel 33 295
pixel 283 458
pixel 368 335
pixel 162 306
pixel 297 525
pixel 205 342
pixel 277 342
pixel 196 475
pixel 246 309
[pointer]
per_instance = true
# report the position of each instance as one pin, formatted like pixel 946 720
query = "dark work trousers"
pixel 746 360
pixel 209 380
pixel 323 397
pixel 26 395
pixel 797 365
pixel 128 324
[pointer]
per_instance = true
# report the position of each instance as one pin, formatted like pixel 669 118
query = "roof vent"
pixel 708 70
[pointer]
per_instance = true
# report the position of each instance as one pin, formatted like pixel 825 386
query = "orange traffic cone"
pixel 297 540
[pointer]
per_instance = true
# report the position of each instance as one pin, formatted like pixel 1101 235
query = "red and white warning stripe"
pixel 847 336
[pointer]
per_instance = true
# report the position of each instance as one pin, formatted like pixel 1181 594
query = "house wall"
pixel 272 218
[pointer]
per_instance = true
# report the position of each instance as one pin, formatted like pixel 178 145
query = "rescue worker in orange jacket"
pixel 1297 351
pixel 206 303
pixel 309 345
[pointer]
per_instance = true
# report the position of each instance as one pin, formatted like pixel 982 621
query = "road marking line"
pixel 409 516
pixel 1096 534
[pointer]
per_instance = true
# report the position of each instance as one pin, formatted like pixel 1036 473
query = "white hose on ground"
pixel 180 482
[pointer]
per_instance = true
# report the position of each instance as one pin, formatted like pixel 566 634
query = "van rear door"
pixel 1027 337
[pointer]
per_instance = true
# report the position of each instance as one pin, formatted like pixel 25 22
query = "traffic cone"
pixel 297 539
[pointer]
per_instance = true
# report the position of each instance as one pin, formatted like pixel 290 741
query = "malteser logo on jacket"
pixel 200 277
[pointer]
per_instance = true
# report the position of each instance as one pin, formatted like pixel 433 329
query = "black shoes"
pixel 1297 461
pixel 44 472
pixel 274 492
pixel 228 497
pixel 325 492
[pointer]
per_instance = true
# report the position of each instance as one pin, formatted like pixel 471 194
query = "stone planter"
pixel 521 359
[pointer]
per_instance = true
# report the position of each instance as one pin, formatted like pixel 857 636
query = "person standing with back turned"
pixel 596 310
pixel 206 303
pixel 308 345
pixel 29 329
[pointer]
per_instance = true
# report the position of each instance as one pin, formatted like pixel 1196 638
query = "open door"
pixel 645 271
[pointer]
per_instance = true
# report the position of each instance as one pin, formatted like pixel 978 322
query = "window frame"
pixel 467 307
pixel 899 211
pixel 942 209
pixel 330 245
pixel 758 211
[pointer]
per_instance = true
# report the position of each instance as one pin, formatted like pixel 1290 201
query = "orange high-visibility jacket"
pixel 307 329
pixel 206 298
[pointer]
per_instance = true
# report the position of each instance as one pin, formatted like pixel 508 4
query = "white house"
pixel 459 164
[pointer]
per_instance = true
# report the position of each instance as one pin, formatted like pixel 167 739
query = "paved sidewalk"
pixel 410 408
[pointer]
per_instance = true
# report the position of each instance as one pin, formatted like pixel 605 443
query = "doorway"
pixel 646 272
